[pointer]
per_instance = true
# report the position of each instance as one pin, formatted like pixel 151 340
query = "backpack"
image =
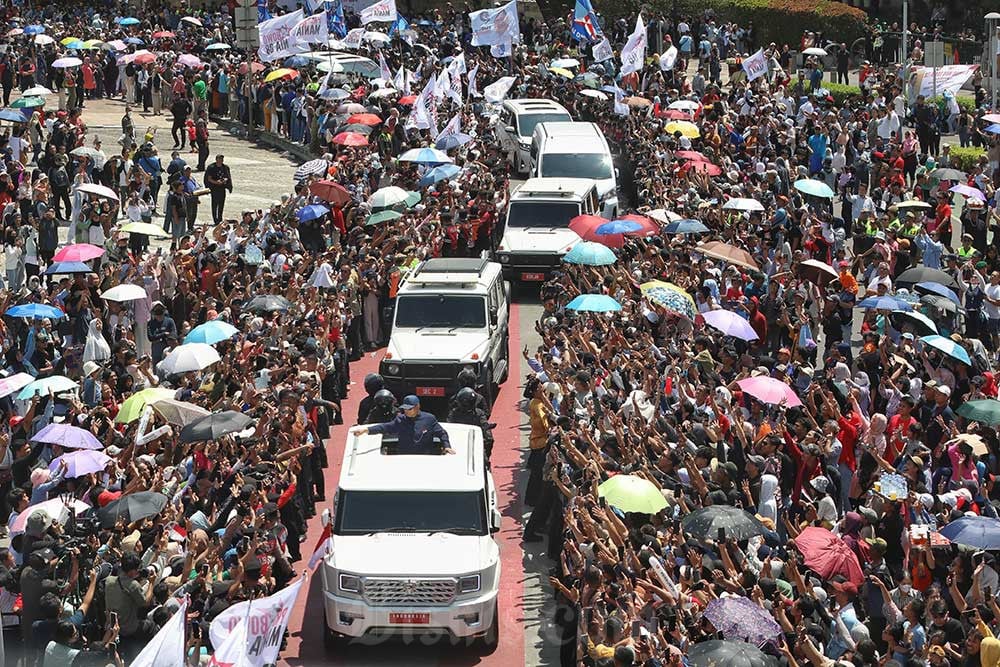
pixel 59 178
pixel 130 70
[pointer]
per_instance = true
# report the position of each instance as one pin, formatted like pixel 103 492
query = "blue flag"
pixel 335 17
pixel 585 25
pixel 399 26
pixel 262 12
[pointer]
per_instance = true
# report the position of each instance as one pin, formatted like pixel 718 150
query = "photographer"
pixel 129 594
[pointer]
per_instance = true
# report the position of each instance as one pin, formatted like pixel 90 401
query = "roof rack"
pixel 466 265
pixel 354 453
pixel 472 453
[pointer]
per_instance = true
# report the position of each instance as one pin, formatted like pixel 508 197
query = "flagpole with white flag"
pixel 167 648
pixel 633 54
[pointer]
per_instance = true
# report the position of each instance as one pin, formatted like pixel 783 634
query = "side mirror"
pixel 509 128
pixel 326 518
pixel 495 521
pixel 493 317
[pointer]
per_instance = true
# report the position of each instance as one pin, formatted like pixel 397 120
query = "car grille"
pixel 443 371
pixel 521 260
pixel 409 592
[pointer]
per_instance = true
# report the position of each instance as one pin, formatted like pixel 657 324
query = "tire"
pixel 488 643
pixel 489 388
pixel 506 358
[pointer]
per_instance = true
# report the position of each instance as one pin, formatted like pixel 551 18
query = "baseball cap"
pixel 944 389
pixel 757 460
pixel 410 401
pixel 878 544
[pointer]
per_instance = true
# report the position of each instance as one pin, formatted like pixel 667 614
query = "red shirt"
pixel 894 435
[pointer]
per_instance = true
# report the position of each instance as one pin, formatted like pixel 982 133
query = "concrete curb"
pixel 262 138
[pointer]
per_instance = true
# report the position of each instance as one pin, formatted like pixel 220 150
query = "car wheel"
pixel 489 388
pixel 506 358
pixel 491 639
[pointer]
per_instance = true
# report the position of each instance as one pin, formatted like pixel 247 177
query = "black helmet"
pixel 466 398
pixel 373 382
pixel 467 378
pixel 383 398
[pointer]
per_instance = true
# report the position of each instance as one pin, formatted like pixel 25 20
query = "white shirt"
pixel 888 125
pixel 899 105
pixel 17 146
pixel 993 311
pixel 12 257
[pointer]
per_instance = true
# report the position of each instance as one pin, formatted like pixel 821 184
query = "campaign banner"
pixel 497 91
pixel 492 27
pixel 353 38
pixel 383 11
pixel 602 51
pixel 276 40
pixel 264 621
pixel 947 79
pixel 313 29
pixel 668 59
pixel 634 52
pixel 755 66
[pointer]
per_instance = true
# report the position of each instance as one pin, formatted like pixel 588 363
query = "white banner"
pixel 634 52
pixel 383 11
pixel 166 648
pixel 352 40
pixel 668 59
pixel 383 68
pixel 402 81
pixel 602 51
pixel 276 40
pixel 502 50
pixel 454 126
pixel 495 26
pixel 312 29
pixel 422 116
pixel 755 66
pixel 233 651
pixel 458 64
pixel 949 78
pixel 264 621
pixel 620 107
pixel 473 91
pixel 497 91
pixel 442 84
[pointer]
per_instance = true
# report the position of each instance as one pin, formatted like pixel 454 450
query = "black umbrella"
pixel 719 653
pixel 268 303
pixel 132 508
pixel 706 522
pixel 922 274
pixel 942 303
pixel 921 325
pixel 214 426
pixel 359 128
pixel 947 174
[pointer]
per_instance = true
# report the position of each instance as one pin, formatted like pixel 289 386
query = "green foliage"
pixel 841 92
pixel 965 102
pixel 965 158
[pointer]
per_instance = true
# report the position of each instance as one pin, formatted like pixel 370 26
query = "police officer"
pixel 373 383
pixel 467 380
pixel 415 430
pixel 464 410
pixel 383 408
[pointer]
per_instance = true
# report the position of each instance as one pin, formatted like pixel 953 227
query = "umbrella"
pixel 817 272
pixel 386 197
pixel 365 119
pixel 74 44
pixel 62 63
pixel 78 252
pixel 164 34
pixel 376 37
pixel 938 289
pixel 13 116
pixel 674 114
pixel 986 411
pixel 255 67
pixel 383 92
pixel 383 216
pixel 27 102
pixel 131 409
pixel 617 227
pixel 99 190
pixel 136 41
pixel 131 508
pixel 268 303
pixel 192 20
pixel 55 384
pixel 561 71
pixel 214 426
pixel 189 357
pixel 948 174
pixel 884 303
pixel 671 297
pixel 80 463
pixel 449 142
pixel 68 268
pixel 968 191
pixel 147 228
pixel 741 618
pixel 923 325
pixel 739 524
pixel 297 61
pixel 769 390
pixel 425 155
pixel 922 274
pixel 56 509
pixel 979 532
pixel 407 100
pixel 124 292
pixel 949 347
pixel 686 128
pixel 86 151
pixel 565 62
pixel 685 227
pixel 179 413
pixel 596 94
pixel 594 303
pixel 43 40
pixel 35 310
pixel 827 555
pixel 36 91
pixel 585 227
pixel 703 168
pixel 281 73
pixel 941 303
pixel 991 118
pixel 311 212
pixel 350 139
pixel 810 186
pixel 728 253
pixel 93 44
pixel 218 46
pixel 350 108
pixel 15 382
pixel 730 324
pixel 316 167
pixel 589 253
pixel 692 155
pixel 632 494
pixel 211 332
pixel 743 204
pixel 357 128
pixel 189 60
pixel 440 173
pixel 14 32
pixel 814 51
pixel 115 45
pixel 129 20
pixel 331 191
pixel 34 29
pixel 716 653
pixel 68 437
pixel 913 203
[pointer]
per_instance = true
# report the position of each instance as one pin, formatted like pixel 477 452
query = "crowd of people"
pixel 799 363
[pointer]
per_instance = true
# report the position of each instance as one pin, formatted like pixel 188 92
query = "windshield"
pixel 542 213
pixel 576 165
pixel 441 310
pixel 363 512
pixel 526 123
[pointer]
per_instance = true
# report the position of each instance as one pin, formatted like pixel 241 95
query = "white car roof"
pixel 365 468
pixel 535 105
pixel 575 188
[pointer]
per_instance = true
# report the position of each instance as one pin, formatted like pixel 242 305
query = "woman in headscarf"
pixel 96 348
pixel 850 533
pixel 767 506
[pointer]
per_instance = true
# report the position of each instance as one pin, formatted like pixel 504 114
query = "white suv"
pixel 412 551
pixel 450 315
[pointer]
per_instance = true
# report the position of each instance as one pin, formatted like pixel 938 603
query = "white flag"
pixel 455 84
pixel 442 85
pixel 324 85
pixel 264 621
pixel 634 52
pixel 502 50
pixel 454 126
pixel 167 647
pixel 383 11
pixel 473 91
pixel 402 81
pixel 353 38
pixel 495 26
pixel 497 91
pixel 233 651
pixel 383 67
pixel 458 64
pixel 668 59
pixel 602 51
pixel 276 39
pixel 422 116
pixel 620 107
pixel 312 29
pixel 755 66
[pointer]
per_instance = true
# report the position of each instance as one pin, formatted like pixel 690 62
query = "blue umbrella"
pixel 296 61
pixel 425 155
pixel 940 290
pixel 34 29
pixel 335 94
pixel 811 186
pixel 450 141
pixel 980 532
pixel 312 212
pixel 993 129
pixel 128 20
pixel 57 383
pixel 134 40
pixel 13 115
pixel 75 44
pixel 67 267
pixel 594 303
pixel 618 227
pixel 441 173
pixel 949 347
pixel 211 332
pixel 885 303
pixel 589 253
pixel 685 227
pixel 32 310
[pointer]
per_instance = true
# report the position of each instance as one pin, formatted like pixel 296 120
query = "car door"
pixel 498 335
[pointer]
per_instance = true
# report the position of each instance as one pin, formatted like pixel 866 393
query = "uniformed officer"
pixel 464 411
pixel 383 408
pixel 373 383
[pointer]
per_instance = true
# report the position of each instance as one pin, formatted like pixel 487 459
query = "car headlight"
pixel 472 368
pixel 469 584
pixel 393 369
pixel 349 583
pixel 505 259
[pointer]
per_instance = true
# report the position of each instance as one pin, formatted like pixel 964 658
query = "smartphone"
pixel 588 615
pixel 114 618
pixel 636 629
pixel 721 537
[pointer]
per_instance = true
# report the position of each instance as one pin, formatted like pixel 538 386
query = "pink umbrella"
pixel 730 324
pixel 81 462
pixel 14 383
pixel 56 509
pixel 189 60
pixel 117 45
pixel 828 555
pixel 768 390
pixel 78 252
pixel 968 191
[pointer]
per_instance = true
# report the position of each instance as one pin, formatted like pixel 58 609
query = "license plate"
pixel 430 391
pixel 532 276
pixel 409 619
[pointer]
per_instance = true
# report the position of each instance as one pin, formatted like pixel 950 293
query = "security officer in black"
pixel 467 380
pixel 383 408
pixel 464 410
pixel 373 383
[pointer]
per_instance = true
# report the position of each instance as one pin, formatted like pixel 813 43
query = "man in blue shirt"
pixel 414 429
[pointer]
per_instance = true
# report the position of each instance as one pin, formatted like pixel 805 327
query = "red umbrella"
pixel 648 226
pixel 674 114
pixel 331 191
pixel 703 167
pixel 351 139
pixel 828 555
pixel 364 119
pixel 407 100
pixel 163 34
pixel 257 68
pixel 692 155
pixel 145 58
pixel 585 227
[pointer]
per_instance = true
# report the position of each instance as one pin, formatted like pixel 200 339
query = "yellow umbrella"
pixel 281 73
pixel 561 71
pixel 66 40
pixel 92 44
pixel 689 130
pixel 652 284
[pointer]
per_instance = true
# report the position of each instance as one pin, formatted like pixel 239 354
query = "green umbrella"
pixel 412 199
pixel 383 216
pixel 133 406
pixel 985 411
pixel 27 102
pixel 632 494
pixel 388 196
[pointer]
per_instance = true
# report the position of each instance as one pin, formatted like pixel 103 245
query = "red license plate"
pixel 430 391
pixel 532 276
pixel 409 619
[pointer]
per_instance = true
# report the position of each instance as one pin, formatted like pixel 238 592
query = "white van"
pixel 517 122
pixel 536 233
pixel 576 150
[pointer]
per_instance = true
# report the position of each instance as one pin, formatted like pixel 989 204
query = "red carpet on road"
pixel 305 642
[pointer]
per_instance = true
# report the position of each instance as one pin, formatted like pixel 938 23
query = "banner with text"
pixel 755 66
pixel 276 39
pixel 264 622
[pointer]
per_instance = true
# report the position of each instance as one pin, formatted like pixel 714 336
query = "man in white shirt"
pixel 888 125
